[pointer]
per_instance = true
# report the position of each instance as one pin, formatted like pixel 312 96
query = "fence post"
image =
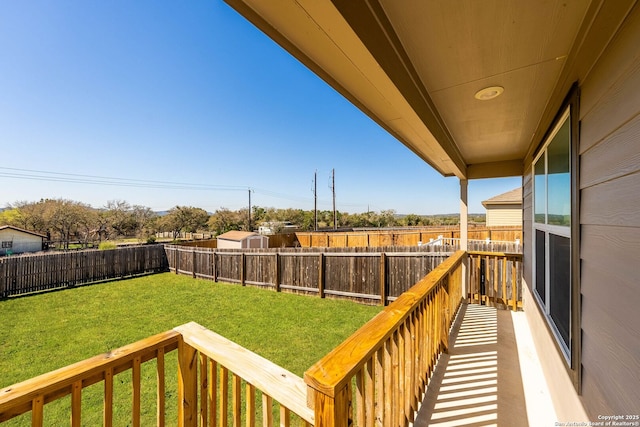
pixel 242 268
pixel 177 258
pixel 215 267
pixel 3 280
pixel 193 262
pixel 383 279
pixel 277 273
pixel 321 265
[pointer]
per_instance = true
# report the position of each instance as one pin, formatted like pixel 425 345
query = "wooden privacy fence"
pixel 402 237
pixel 33 273
pixel 496 279
pixel 219 382
pixel 379 374
pixel 363 275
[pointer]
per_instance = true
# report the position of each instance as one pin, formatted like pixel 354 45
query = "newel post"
pixel 187 385
pixel 331 411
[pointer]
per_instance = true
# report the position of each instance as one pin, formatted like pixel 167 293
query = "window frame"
pixel 549 229
pixel 571 354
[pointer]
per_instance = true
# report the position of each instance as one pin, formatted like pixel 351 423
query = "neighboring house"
pixel 14 240
pixel 504 209
pixel 547 92
pixel 242 240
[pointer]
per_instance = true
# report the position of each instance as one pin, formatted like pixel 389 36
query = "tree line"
pixel 66 221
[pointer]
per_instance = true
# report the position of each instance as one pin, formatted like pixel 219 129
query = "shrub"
pixel 106 246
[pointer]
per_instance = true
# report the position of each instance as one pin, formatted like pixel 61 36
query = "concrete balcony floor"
pixel 491 375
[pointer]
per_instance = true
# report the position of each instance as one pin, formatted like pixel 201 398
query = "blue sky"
pixel 147 94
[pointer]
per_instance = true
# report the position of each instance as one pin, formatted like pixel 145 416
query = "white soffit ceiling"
pixel 460 47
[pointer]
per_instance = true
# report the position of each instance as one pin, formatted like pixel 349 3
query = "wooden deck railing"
pixel 32 395
pixel 209 367
pixel 208 362
pixel 495 278
pixel 379 374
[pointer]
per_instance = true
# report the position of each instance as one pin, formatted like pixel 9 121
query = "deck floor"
pixel 490 377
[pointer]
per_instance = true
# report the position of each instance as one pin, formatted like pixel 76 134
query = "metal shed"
pixel 242 240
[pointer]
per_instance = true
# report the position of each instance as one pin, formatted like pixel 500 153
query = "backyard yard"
pixel 44 332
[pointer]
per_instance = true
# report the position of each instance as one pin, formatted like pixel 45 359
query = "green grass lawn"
pixel 44 332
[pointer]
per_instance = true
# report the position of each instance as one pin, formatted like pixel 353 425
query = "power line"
pixel 51 176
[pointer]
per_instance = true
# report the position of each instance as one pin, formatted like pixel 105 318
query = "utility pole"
pixel 249 189
pixel 315 200
pixel 333 190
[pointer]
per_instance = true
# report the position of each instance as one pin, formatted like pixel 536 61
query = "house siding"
pixel 504 215
pixel 20 242
pixel 610 226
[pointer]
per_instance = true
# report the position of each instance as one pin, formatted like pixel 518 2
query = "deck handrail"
pixel 390 357
pixel 201 353
pixel 272 380
pixel 33 394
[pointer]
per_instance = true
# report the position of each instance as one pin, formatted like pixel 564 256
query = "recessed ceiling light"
pixel 489 93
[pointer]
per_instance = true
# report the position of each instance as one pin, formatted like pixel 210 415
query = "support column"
pixel 464 229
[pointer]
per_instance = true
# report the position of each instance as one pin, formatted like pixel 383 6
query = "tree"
pixel 11 216
pixel 32 215
pixel 224 220
pixel 184 219
pixel 145 221
pixel 120 219
pixel 69 219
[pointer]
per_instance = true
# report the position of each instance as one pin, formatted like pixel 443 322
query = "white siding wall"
pixel 610 226
pixel 21 242
pixel 505 215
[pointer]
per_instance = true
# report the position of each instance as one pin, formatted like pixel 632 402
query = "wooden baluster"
pixel 37 411
pixel 224 396
pixel 204 387
pixel 187 385
pixel 267 414
pixel 250 405
pixel 369 389
pixel 76 403
pixel 135 379
pixel 236 392
pixel 108 398
pixel 514 284
pixel 380 389
pixel 284 417
pixel 160 417
pixel 213 387
pixel 400 378
pixel 388 383
pixel 494 298
pixel 504 282
pixel 360 398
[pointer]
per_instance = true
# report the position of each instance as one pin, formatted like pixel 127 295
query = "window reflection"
pixel 559 178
